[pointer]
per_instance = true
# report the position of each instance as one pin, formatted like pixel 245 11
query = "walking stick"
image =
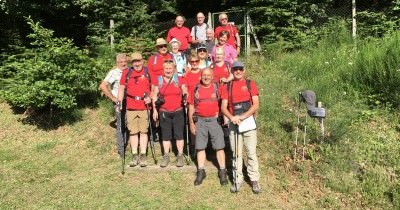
pixel 297 128
pixel 187 132
pixel 235 177
pixel 151 133
pixel 121 136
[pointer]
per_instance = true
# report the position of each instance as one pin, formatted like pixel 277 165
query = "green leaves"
pixel 55 73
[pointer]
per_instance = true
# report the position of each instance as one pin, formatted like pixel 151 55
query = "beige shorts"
pixel 137 121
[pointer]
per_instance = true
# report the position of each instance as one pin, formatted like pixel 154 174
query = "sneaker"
pixel 236 188
pixel 223 180
pixel 180 161
pixel 164 161
pixel 255 187
pixel 143 160
pixel 200 176
pixel 135 160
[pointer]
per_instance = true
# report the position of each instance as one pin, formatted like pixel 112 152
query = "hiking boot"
pixel 255 187
pixel 223 180
pixel 143 160
pixel 200 176
pixel 180 161
pixel 135 160
pixel 164 161
pixel 236 188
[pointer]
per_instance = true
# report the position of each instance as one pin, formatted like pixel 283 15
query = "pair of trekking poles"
pixel 121 134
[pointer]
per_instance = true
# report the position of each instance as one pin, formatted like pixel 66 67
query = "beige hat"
pixel 174 40
pixel 161 41
pixel 136 56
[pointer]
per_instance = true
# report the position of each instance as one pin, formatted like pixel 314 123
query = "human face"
pixel 202 53
pixel 206 77
pixel 210 34
pixel 222 39
pixel 122 63
pixel 219 56
pixel 179 21
pixel 162 49
pixel 200 18
pixel 137 65
pixel 175 47
pixel 238 72
pixel 223 20
pixel 169 68
pixel 194 63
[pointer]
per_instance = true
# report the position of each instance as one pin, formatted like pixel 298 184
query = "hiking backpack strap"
pixel 249 89
pixel 128 75
pixel 196 94
pixel 228 66
pixel 155 59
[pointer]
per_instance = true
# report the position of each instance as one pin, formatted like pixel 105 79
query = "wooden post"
pixel 353 15
pixel 112 33
pixel 248 34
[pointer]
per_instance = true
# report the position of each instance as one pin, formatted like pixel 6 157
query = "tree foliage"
pixel 52 74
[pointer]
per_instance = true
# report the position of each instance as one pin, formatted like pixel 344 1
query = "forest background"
pixel 55 53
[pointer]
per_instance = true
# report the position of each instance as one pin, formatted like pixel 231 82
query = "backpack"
pixel 230 90
pixel 227 64
pixel 156 55
pixel 174 79
pixel 146 74
pixel 196 93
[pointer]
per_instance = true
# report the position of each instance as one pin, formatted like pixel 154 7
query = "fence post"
pixel 248 31
pixel 353 15
pixel 112 33
pixel 209 21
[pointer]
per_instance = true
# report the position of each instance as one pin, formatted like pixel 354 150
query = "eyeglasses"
pixel 162 46
pixel 202 50
pixel 194 61
pixel 168 61
pixel 238 68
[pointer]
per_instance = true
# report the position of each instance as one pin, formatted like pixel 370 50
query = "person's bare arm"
pixel 105 87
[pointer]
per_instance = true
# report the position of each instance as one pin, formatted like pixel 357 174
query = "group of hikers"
pixel 200 82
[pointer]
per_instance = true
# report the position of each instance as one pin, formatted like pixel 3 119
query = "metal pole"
pixel 112 33
pixel 353 15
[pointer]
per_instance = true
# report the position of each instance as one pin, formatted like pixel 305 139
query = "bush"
pixel 53 74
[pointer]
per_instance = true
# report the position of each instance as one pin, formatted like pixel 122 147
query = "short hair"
pixel 121 56
pixel 193 55
pixel 200 13
pixel 180 16
pixel 210 29
pixel 224 33
pixel 219 49
pixel 222 15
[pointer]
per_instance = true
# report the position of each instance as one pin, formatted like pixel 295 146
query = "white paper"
pixel 247 124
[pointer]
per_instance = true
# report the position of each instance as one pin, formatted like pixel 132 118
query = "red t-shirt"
pixel 220 72
pixel 207 105
pixel 232 32
pixel 156 67
pixel 191 80
pixel 138 84
pixel 239 91
pixel 172 94
pixel 181 34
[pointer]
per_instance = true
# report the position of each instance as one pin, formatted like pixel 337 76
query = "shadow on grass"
pixel 51 118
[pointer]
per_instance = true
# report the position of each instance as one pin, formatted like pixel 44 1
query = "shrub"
pixel 53 74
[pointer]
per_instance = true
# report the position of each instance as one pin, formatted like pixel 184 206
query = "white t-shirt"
pixel 200 32
pixel 113 77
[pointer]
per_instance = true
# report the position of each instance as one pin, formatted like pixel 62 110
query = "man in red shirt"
pixel 181 33
pixel 204 105
pixel 136 82
pixel 156 61
pixel 239 103
pixel 234 38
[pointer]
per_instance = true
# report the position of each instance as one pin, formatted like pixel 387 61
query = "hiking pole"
pixel 121 136
pixel 304 136
pixel 187 131
pixel 151 133
pixel 235 177
pixel 297 128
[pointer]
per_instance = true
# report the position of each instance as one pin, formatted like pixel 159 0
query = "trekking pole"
pixel 235 177
pixel 297 128
pixel 151 133
pixel 304 136
pixel 121 136
pixel 187 131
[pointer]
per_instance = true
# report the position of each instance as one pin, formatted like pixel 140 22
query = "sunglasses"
pixel 194 61
pixel 202 50
pixel 238 68
pixel 133 61
pixel 162 46
pixel 168 61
